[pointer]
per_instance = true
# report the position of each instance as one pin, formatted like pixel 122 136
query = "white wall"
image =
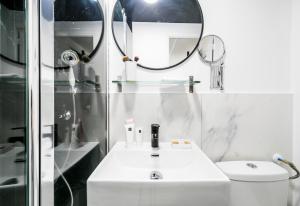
pixel 296 87
pixel 256 34
pixel 151 40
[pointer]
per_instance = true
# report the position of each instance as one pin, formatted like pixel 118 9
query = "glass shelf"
pixel 189 83
pixel 17 83
pixel 161 82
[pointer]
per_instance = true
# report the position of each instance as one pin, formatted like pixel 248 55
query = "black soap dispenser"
pixel 155 136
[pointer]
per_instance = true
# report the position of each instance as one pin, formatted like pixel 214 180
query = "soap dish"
pixel 181 144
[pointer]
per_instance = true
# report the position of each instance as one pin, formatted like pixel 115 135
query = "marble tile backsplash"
pixel 179 115
pixel 225 126
pixel 247 126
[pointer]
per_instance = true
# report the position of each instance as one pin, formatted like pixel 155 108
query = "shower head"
pixel 70 58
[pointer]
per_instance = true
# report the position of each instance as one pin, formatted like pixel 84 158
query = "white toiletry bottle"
pixel 131 70
pixel 139 136
pixel 129 127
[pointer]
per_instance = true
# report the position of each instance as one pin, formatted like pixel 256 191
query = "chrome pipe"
pixel 33 85
pixel 293 167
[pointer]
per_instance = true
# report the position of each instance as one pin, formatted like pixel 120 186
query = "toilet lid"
pixel 253 171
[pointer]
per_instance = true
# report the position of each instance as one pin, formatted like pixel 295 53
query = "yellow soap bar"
pixel 187 142
pixel 175 142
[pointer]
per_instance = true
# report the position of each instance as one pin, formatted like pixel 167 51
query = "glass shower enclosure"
pixel 13 124
pixel 53 100
pixel 73 98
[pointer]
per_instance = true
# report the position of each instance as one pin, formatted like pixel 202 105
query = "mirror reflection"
pixel 78 27
pixel 212 49
pixel 12 103
pixel 79 100
pixel 12 36
pixel 162 33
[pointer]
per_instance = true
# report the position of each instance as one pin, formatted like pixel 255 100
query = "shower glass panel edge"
pixel 33 86
pixel 46 107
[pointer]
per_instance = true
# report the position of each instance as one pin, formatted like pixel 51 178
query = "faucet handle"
pixel 155 136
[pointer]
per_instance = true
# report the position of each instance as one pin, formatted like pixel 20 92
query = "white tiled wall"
pixel 247 126
pixel 226 126
pixel 178 114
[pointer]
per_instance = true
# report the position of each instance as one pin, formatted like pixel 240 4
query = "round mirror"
pixel 212 52
pixel 78 27
pixel 161 33
pixel 13 36
pixel 211 49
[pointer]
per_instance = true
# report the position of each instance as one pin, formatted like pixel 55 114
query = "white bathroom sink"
pixel 183 177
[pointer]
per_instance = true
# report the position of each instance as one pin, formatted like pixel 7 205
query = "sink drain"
pixel 156 175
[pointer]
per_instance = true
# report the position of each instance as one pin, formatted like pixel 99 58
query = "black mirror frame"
pixel 12 61
pixel 95 50
pixel 91 55
pixel 163 68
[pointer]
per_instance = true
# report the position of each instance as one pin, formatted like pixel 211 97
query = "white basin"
pixel 189 178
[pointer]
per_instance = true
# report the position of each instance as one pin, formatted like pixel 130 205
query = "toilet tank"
pixel 256 183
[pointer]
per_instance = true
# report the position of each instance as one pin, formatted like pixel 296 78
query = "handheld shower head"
pixel 70 57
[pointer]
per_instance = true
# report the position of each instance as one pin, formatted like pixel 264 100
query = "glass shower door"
pixel 73 98
pixel 13 105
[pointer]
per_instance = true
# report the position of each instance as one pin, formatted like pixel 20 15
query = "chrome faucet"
pixel 155 136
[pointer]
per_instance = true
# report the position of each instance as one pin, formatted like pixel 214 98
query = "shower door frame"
pixel 33 102
pixel 34 98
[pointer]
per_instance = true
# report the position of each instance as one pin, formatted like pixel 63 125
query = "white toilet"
pixel 256 183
